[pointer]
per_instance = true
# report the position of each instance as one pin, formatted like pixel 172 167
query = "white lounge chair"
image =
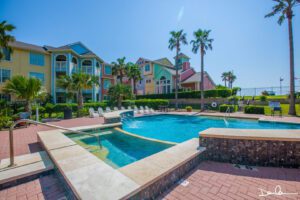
pixel 122 108
pixel 136 110
pixel 100 111
pixel 129 108
pixel 107 109
pixel 116 109
pixel 142 110
pixel 148 109
pixel 92 113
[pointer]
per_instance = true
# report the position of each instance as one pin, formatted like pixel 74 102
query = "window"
pixel 147 68
pixel 107 70
pixel 106 84
pixel 6 54
pixel 37 75
pixel 87 67
pixel 4 75
pixel 106 98
pixel 148 81
pixel 163 86
pixel 36 59
pixel 5 97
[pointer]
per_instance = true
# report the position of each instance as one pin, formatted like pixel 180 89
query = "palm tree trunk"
pixel 134 86
pixel 28 107
pixel 202 78
pixel 225 83
pixel 80 100
pixel 176 79
pixel 292 110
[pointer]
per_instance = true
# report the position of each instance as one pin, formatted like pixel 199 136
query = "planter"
pixel 67 113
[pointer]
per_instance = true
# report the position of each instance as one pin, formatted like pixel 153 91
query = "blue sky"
pixel 255 48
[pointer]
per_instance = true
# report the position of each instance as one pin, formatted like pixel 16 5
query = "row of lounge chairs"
pixel 100 112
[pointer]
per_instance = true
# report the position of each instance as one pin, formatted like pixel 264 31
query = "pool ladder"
pixel 226 115
pixel 29 121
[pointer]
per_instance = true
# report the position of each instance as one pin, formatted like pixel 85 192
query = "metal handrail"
pixel 11 137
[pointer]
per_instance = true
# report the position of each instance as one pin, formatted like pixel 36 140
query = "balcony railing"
pixel 60 66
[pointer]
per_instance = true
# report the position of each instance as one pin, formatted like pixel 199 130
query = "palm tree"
pixel 26 89
pixel 177 38
pixel 119 92
pixel 133 73
pixel 231 78
pixel 76 83
pixel 285 10
pixel 224 77
pixel 118 68
pixel 5 38
pixel 202 43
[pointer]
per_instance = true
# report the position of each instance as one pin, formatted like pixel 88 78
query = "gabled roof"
pixel 27 46
pixel 77 48
pixel 182 55
pixel 164 61
pixel 197 78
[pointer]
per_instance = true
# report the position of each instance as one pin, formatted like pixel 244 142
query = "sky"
pixel 256 49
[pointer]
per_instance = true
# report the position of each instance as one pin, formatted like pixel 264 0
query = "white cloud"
pixel 180 14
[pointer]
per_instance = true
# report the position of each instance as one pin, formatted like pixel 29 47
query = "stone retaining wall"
pixel 252 152
pixel 157 188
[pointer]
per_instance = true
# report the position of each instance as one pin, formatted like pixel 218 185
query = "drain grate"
pixel 183 182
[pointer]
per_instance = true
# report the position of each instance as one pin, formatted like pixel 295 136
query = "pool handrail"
pixel 11 137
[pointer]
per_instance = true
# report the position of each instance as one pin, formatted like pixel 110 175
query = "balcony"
pixel 61 66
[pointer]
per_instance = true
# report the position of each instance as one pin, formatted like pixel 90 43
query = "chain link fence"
pixel 284 90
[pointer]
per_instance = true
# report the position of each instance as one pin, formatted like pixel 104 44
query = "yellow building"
pixel 27 60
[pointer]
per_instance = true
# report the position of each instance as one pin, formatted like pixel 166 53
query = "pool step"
pixel 25 166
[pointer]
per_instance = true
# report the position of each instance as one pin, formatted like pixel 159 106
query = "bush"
pixel 224 107
pixel 61 106
pixel 189 108
pixel 254 110
pixel 49 108
pixel 233 99
pixel 5 122
pixel 224 93
pixel 263 98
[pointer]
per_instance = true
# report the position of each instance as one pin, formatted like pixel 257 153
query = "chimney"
pixel 186 66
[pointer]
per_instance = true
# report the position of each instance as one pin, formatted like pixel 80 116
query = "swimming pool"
pixel 118 148
pixel 179 128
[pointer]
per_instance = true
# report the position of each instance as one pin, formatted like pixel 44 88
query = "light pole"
pixel 281 79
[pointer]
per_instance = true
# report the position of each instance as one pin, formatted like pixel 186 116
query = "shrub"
pixel 224 93
pixel 265 93
pixel 224 107
pixel 263 98
pixel 95 105
pixel 49 108
pixel 189 108
pixel 233 99
pixel 151 103
pixel 61 106
pixel 254 110
pixel 5 122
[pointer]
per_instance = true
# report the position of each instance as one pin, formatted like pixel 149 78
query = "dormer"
pixel 183 61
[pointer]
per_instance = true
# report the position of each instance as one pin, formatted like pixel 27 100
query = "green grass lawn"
pixel 285 109
pixel 268 97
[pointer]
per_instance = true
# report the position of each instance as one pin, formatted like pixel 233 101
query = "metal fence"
pixel 284 90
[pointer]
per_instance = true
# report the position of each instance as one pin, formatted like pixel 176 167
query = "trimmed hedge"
pixel 224 107
pixel 254 110
pixel 224 93
pixel 151 103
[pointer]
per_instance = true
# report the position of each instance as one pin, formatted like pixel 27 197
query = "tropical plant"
pixel 224 77
pixel 26 89
pixel 118 93
pixel 76 83
pixel 133 73
pixel 284 8
pixel 231 78
pixel 118 68
pixel 5 38
pixel 202 43
pixel 177 39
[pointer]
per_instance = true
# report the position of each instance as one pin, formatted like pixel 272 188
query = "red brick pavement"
pixel 47 187
pixel 213 180
pixel 25 139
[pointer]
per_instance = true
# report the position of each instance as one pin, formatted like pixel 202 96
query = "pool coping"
pixel 288 135
pixel 92 178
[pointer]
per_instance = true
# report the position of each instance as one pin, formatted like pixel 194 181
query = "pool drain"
pixel 183 182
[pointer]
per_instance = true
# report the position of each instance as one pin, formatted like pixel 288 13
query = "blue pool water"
pixel 119 149
pixel 179 128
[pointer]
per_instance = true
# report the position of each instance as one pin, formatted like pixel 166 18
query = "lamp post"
pixel 281 79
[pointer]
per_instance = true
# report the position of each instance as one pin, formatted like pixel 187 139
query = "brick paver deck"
pixel 213 180
pixel 25 139
pixel 47 187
